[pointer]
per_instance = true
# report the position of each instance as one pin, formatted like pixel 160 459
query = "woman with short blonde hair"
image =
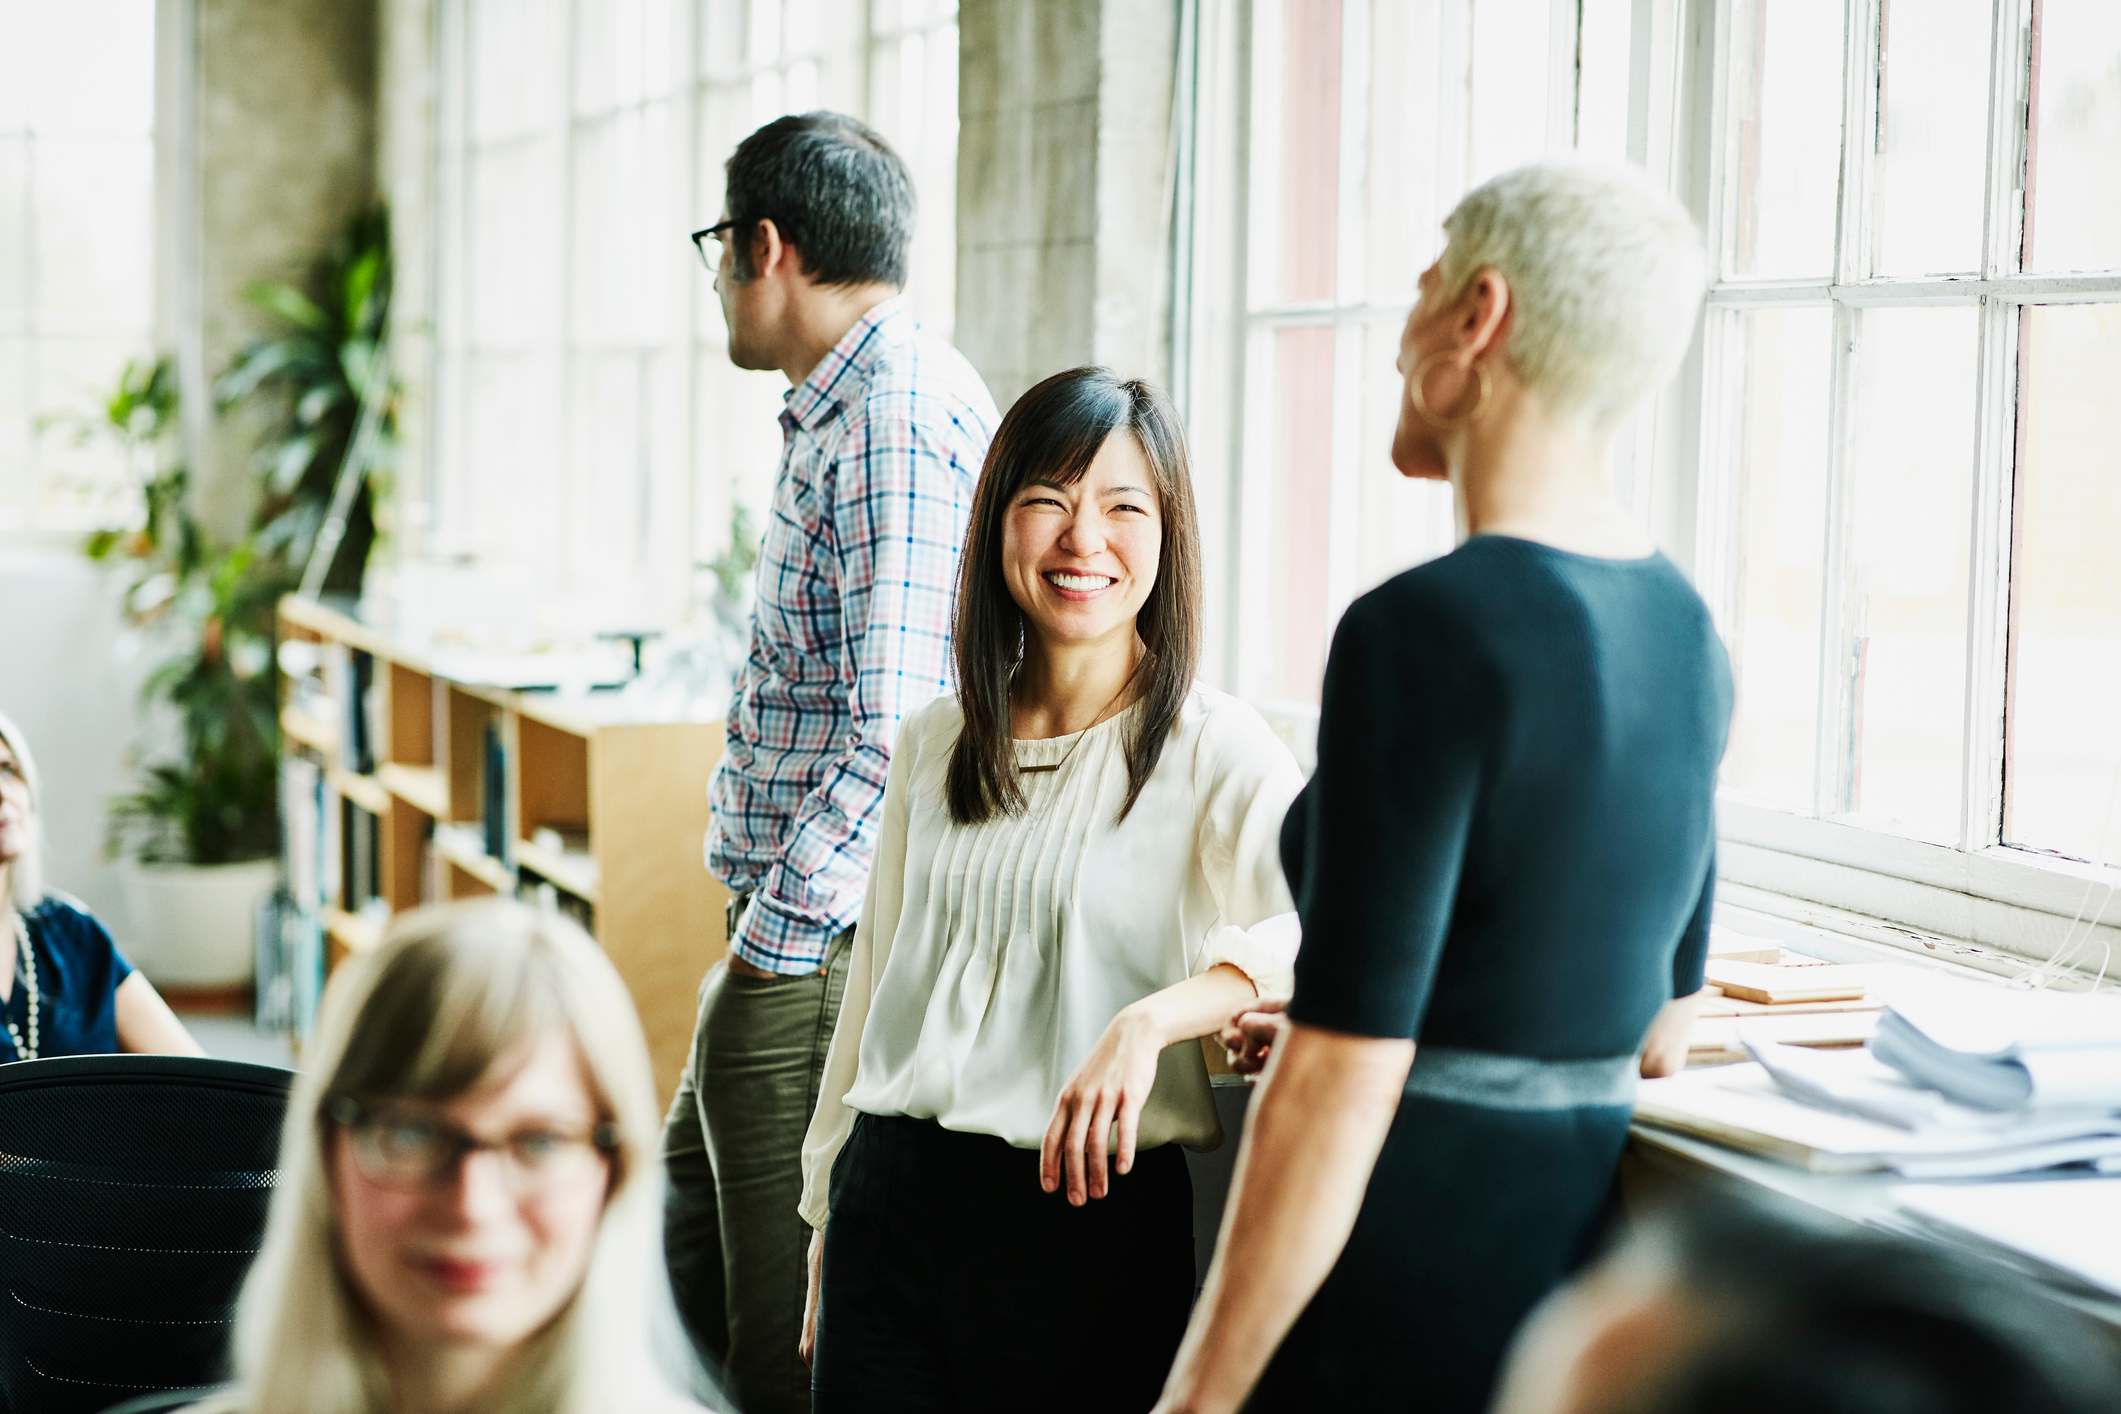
pixel 470 1201
pixel 1505 859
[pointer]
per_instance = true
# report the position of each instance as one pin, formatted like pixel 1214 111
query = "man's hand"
pixel 1250 1035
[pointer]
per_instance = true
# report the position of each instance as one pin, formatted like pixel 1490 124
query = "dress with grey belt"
pixel 1506 853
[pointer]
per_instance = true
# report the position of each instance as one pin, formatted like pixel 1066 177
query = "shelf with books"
pixel 570 801
pixel 421 787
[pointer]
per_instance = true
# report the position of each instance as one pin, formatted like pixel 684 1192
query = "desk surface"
pixel 1864 1198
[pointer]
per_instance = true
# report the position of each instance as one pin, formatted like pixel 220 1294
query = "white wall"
pixel 62 682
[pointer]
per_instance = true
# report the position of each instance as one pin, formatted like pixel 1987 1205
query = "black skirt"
pixel 953 1282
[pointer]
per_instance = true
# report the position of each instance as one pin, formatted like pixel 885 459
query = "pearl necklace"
pixel 28 956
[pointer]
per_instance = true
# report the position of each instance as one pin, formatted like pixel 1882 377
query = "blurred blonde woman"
pixel 470 1200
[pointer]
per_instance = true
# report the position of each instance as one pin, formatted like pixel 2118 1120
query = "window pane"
pixel 1509 118
pixel 17 471
pixel 2065 636
pixel 1910 512
pixel 1779 441
pixel 90 64
pixel 1299 199
pixel 1931 137
pixel 80 483
pixel 1603 91
pixel 1401 205
pixel 1290 496
pixel 14 227
pixel 2073 215
pixel 1785 136
pixel 1403 522
pixel 94 217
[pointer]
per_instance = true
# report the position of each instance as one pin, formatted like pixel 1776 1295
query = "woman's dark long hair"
pixel 1053 433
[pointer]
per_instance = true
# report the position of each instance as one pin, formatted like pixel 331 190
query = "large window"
pixel 77 248
pixel 1333 137
pixel 1889 465
pixel 590 428
pixel 1907 466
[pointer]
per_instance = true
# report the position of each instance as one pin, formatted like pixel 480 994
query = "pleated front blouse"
pixel 989 958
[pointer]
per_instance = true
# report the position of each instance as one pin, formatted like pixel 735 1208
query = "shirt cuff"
pixel 779 942
pixel 1264 952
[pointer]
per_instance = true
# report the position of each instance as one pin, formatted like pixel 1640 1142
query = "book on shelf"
pixel 493 791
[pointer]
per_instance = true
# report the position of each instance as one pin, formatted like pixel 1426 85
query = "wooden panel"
pixel 551 778
pixel 463 766
pixel 659 915
pixel 404 831
pixel 410 720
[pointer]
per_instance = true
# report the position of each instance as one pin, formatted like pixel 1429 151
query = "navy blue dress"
pixel 1506 853
pixel 78 972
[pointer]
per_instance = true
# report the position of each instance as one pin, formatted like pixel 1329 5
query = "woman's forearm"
pixel 1198 1006
pixel 1315 1131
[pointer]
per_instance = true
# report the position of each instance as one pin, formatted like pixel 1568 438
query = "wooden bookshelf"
pixel 460 790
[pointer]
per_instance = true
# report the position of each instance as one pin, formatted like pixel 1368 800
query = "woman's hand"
pixel 1250 1035
pixel 1109 1088
pixel 807 1346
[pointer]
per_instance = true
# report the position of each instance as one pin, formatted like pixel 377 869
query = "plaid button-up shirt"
pixel 856 581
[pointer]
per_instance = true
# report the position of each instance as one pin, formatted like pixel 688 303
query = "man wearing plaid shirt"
pixel 884 431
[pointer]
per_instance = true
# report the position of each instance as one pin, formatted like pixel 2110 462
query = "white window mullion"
pixel 563 448
pixel 1833 751
pixel 687 109
pixel 1260 251
pixel 1995 439
pixel 1344 483
pixel 1563 27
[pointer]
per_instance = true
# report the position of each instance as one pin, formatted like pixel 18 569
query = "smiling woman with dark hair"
pixel 1076 877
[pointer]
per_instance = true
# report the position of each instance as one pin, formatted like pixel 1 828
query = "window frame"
pixel 696 343
pixel 154 330
pixel 1980 891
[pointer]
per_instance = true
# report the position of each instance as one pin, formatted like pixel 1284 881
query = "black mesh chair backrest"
pixel 133 1192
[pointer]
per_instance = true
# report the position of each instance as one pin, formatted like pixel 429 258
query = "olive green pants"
pixel 733 1145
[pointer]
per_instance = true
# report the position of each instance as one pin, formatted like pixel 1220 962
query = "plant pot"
pixel 193 925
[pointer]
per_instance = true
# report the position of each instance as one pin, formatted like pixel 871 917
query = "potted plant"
pixel 199 835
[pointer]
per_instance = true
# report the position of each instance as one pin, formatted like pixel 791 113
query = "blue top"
pixel 1509 842
pixel 78 972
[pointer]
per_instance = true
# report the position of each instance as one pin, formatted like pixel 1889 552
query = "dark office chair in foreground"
pixel 133 1192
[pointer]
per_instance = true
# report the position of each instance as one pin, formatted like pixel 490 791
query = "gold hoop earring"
pixel 1421 400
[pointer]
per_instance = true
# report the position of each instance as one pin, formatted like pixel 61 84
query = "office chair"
pixel 133 1192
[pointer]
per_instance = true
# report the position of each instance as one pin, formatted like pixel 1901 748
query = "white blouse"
pixel 990 958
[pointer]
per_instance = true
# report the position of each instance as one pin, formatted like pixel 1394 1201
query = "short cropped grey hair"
pixel 1606 273
pixel 26 879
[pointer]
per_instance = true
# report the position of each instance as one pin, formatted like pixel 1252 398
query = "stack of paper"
pixel 2004 1049
pixel 1844 1113
pixel 2055 1227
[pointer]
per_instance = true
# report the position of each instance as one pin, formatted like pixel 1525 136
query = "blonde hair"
pixel 452 992
pixel 25 877
pixel 1606 274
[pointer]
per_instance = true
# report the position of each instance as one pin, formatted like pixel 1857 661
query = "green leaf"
pixel 318 403
pixel 290 461
pixel 264 360
pixel 288 303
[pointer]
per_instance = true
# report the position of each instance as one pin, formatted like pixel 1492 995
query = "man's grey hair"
pixel 25 878
pixel 1606 273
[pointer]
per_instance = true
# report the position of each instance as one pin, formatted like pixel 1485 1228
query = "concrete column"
pixel 283 154
pixel 1063 200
